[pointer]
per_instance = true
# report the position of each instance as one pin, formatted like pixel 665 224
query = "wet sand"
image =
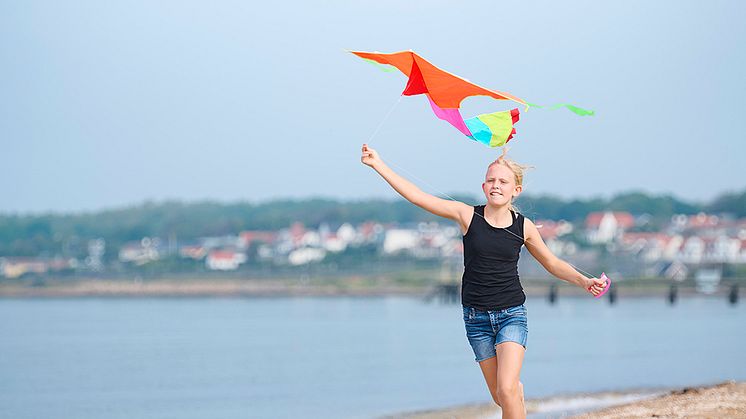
pixel 725 400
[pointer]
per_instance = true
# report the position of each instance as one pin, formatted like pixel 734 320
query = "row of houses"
pixel 693 239
pixel 696 239
pixel 14 267
pixel 295 245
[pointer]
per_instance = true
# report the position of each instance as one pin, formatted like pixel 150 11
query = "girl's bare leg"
pixel 489 370
pixel 509 388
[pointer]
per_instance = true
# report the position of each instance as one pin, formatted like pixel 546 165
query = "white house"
pixel 306 255
pixel 224 260
pixel 603 227
pixel 399 239
pixel 140 253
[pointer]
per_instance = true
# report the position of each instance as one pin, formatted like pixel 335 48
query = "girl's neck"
pixel 498 214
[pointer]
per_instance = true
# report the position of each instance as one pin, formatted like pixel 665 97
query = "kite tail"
pixel 572 108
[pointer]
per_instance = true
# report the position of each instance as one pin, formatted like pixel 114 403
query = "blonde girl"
pixel 495 317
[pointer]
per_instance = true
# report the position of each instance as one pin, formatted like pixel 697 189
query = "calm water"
pixel 335 357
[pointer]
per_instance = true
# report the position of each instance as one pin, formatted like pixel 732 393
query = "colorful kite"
pixel 445 92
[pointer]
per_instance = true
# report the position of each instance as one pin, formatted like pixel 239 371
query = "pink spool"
pixel 606 288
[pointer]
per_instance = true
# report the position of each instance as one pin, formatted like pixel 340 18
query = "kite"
pixel 446 91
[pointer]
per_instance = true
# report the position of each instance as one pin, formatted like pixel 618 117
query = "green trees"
pixel 67 234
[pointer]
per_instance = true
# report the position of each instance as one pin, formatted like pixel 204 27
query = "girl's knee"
pixel 507 390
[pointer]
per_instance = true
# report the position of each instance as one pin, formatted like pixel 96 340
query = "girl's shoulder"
pixel 520 222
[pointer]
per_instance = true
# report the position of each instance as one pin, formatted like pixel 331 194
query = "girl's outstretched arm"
pixel 555 265
pixel 453 210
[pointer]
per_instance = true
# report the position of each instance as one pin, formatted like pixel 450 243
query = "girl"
pixel 491 294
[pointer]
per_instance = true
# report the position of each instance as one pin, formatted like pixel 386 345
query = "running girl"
pixel 492 297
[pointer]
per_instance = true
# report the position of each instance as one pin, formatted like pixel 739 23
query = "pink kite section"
pixel 453 116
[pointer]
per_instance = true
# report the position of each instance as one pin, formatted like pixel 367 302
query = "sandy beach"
pixel 724 400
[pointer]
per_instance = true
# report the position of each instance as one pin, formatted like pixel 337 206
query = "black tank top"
pixel 490 280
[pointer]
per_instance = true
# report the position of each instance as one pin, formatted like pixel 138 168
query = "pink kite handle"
pixel 608 285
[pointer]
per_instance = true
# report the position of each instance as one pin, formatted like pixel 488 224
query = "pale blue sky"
pixel 106 104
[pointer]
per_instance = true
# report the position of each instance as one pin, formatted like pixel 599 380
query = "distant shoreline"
pixel 353 286
pixel 195 288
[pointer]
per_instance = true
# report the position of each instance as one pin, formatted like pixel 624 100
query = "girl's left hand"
pixel 594 285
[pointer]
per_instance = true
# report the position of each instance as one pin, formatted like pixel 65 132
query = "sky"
pixel 110 104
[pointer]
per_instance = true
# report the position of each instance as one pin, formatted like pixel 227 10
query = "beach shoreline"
pixel 218 287
pixel 198 288
pixel 724 400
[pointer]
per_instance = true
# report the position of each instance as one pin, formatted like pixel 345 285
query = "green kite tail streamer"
pixel 572 108
pixel 383 67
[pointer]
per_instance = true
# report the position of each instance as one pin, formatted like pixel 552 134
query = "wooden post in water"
pixel 672 294
pixel 733 295
pixel 612 295
pixel 552 294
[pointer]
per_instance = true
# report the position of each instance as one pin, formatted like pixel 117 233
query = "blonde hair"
pixel 514 167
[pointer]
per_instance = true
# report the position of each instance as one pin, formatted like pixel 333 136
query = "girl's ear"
pixel 518 190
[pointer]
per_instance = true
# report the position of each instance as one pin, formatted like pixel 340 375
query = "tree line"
pixel 52 233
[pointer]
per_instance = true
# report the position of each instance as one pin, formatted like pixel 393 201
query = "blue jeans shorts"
pixel 486 329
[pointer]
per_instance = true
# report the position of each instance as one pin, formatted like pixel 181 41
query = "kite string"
pixel 443 193
pixel 385 118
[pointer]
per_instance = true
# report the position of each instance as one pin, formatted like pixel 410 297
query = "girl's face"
pixel 499 186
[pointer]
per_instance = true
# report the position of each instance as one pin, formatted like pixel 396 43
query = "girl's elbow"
pixel 416 200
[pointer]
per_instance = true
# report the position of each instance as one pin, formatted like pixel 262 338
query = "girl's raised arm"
pixel 453 210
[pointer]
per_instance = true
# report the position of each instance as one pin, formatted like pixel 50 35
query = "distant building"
pixel 224 260
pixel 370 232
pixel 397 240
pixel 140 253
pixel 652 247
pixel 603 227
pixel 334 243
pixel 250 236
pixel 703 221
pixel 550 230
pixel 195 252
pixel 297 232
pixel 305 255
pixel 692 250
pixel 18 266
pixel 347 233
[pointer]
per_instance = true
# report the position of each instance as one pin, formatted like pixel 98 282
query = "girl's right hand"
pixel 370 157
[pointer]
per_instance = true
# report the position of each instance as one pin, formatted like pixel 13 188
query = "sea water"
pixel 336 357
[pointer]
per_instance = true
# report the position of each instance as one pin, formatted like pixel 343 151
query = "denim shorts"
pixel 486 329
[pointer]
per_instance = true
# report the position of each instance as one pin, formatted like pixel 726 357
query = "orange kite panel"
pixel 445 89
